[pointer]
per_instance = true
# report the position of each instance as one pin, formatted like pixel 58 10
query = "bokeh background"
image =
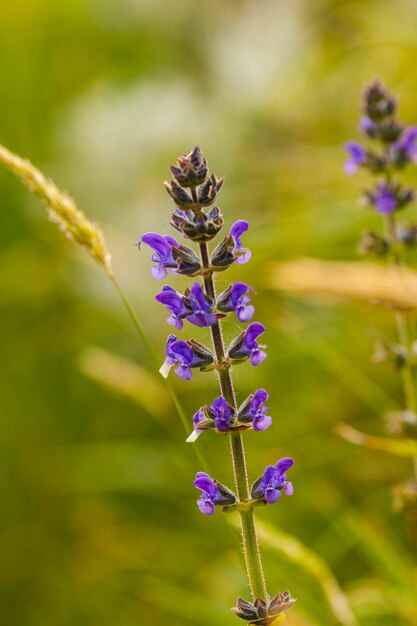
pixel 98 523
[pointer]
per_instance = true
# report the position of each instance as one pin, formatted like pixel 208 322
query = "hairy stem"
pixel 247 521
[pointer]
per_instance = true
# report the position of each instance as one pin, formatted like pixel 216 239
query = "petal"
pixel 269 473
pixel 184 372
pixel 182 350
pixel 174 321
pixel 194 435
pixel 289 489
pixel 243 258
pixel 245 313
pixel 206 506
pixel 165 367
pixel 259 397
pixel 272 495
pixel 238 228
pixel 284 464
pixel 261 422
pixel 159 272
pixel 252 332
pixel 257 356
pixel 237 291
pixel 202 319
pixel 198 294
pixel 157 243
pixel 204 482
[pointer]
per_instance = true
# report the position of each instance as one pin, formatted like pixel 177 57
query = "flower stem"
pixel 247 521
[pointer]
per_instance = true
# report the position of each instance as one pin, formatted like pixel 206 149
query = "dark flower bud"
pixel 181 197
pixel 378 102
pixel 199 227
pixel 264 612
pixel 401 423
pixel 202 355
pixel 391 353
pixel 374 242
pixel 209 190
pixel 187 261
pixel 223 255
pixel 390 130
pixel 191 169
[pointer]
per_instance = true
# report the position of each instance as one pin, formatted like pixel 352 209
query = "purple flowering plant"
pixel 194 191
pixel 391 146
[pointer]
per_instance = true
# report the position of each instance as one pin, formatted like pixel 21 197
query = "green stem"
pixel 247 521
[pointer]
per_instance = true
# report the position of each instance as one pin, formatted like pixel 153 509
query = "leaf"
pixel 397 447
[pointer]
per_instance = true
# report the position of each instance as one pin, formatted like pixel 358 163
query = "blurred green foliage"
pixel 98 523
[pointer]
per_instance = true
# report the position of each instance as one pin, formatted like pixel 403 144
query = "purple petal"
pixel 159 243
pixel 244 258
pixel 183 372
pixel 284 464
pixel 206 506
pixel 259 397
pixel 202 319
pixel 261 422
pixel 159 272
pixel 204 482
pixel 357 156
pixel 198 295
pixel 268 475
pixel 289 489
pixel 272 495
pixel 182 350
pixel 237 291
pixel 174 321
pixel 238 228
pixel 366 125
pixel 257 356
pixel 252 332
pixel 245 313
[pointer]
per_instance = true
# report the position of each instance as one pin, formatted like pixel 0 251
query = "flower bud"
pixel 199 227
pixel 264 612
pixel 191 169
pixel 187 261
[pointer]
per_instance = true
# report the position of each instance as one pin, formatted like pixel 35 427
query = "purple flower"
pixel 366 125
pixel 176 305
pixel 405 148
pixel 162 245
pixel 253 411
pixel 224 416
pixel 202 307
pixel 273 481
pixel 384 199
pixel 236 231
pixel 185 355
pixel 245 346
pixel 198 417
pixel 234 298
pixel 212 493
pixel 357 156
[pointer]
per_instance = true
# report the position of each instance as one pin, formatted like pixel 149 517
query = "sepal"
pixel 209 190
pixel 264 612
pixel 187 261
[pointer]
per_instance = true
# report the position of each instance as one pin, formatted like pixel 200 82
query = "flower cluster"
pixel 223 418
pixel 392 146
pixel 194 192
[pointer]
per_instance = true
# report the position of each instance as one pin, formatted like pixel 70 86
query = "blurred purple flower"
pixel 357 156
pixel 384 199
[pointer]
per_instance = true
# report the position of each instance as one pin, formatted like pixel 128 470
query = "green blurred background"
pixel 98 523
